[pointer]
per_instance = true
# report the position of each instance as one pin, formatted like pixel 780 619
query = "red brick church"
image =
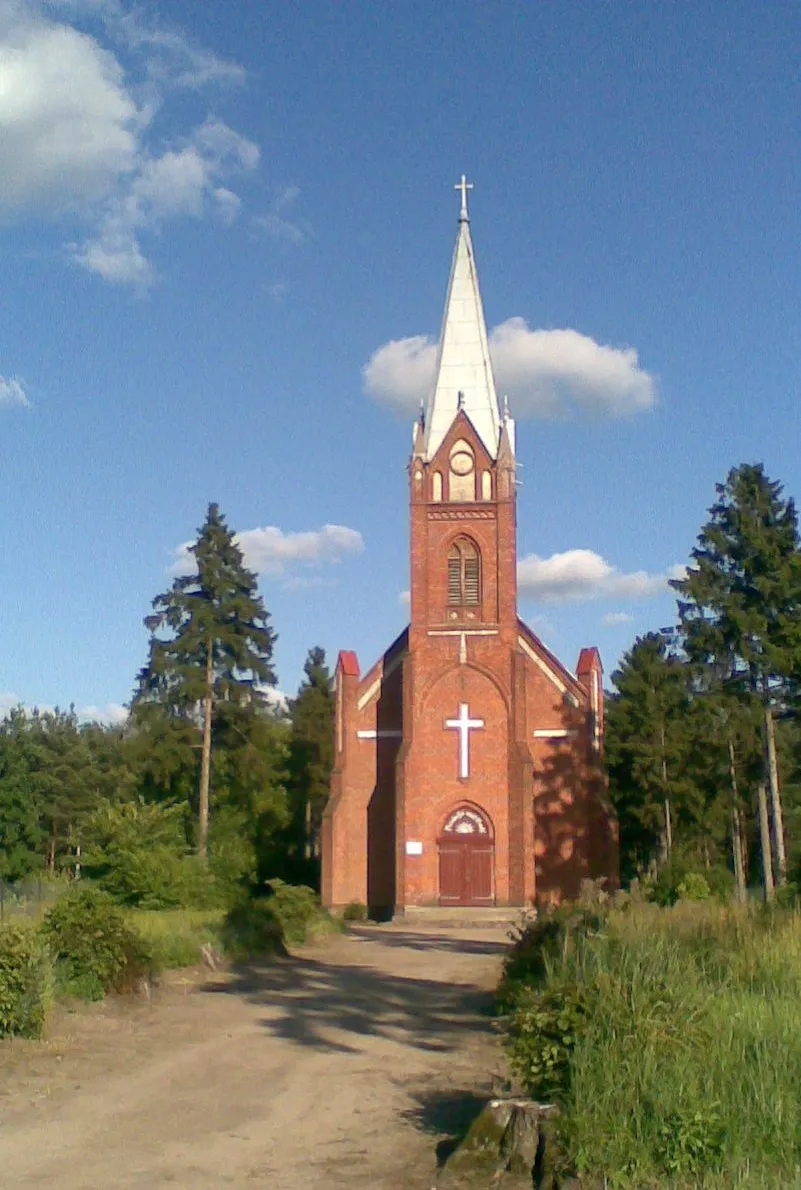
pixel 468 758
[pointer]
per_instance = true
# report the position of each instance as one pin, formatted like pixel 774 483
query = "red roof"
pixel 589 659
pixel 349 663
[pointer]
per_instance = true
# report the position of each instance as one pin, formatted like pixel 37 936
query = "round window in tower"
pixel 462 461
pixel 461 458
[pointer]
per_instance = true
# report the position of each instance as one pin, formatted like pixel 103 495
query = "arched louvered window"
pixel 464 574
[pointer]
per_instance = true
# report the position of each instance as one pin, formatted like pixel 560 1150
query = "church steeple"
pixel 464 370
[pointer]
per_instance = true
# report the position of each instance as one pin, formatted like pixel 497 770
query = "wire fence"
pixel 28 898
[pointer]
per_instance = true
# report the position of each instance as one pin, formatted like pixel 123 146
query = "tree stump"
pixel 505 1145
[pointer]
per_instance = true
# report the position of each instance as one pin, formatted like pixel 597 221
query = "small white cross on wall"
pixel 464 725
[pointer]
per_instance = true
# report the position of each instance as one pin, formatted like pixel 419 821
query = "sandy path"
pixel 342 1066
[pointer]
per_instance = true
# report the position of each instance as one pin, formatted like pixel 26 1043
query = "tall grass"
pixel 177 937
pixel 686 1068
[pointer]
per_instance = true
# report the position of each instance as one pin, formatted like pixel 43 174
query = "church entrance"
pixel 466 859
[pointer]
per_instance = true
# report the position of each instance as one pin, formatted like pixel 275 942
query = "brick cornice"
pixel 461 514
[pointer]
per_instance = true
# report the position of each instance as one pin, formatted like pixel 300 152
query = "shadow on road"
pixel 312 1002
pixel 449 1112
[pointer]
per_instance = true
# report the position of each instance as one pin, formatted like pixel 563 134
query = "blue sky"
pixel 225 235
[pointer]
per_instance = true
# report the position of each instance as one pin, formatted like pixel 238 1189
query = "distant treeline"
pixel 209 785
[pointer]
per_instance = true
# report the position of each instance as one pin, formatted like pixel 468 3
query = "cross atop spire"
pixel 464 186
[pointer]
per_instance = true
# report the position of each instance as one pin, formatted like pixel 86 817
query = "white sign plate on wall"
pixel 414 847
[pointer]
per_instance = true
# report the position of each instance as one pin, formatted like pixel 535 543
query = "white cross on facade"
pixel 464 725
pixel 464 186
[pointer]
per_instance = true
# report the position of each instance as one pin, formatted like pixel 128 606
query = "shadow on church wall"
pixel 381 806
pixel 573 827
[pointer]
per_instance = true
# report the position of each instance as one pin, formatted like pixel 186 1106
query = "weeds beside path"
pixel 343 1065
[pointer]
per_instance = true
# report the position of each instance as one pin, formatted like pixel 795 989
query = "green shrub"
pixel 251 930
pixel 355 911
pixel 295 907
pixel 94 948
pixel 541 1035
pixel 139 854
pixel 694 887
pixel 787 896
pixel 665 890
pixel 26 982
pixel 232 856
pixel 690 1142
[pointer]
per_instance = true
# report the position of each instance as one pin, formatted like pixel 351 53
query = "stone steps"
pixel 458 916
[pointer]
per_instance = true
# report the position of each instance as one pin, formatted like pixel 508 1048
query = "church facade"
pixel 468 759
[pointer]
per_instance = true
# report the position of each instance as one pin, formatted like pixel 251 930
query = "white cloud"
pixel 270 550
pixel 82 129
pixel 549 373
pixel 545 373
pixel 405 598
pixel 277 223
pixel 276 698
pixel 12 392
pixel 580 575
pixel 8 702
pixel 69 129
pixel 401 373
pixel 113 714
pixel 276 291
pixel 179 182
pixel 228 204
pixel 170 56
pixel 612 619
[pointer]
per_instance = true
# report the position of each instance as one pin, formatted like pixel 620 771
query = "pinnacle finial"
pixel 464 186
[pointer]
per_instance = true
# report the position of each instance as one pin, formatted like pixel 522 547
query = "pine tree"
pixel 740 610
pixel 311 752
pixel 212 645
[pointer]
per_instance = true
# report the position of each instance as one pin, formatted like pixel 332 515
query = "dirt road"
pixel 344 1065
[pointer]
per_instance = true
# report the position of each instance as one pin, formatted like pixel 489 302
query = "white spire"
pixel 464 371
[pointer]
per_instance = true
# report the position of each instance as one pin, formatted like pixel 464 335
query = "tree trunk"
pixel 307 848
pixel 764 840
pixel 736 831
pixel 775 796
pixel 668 822
pixel 205 760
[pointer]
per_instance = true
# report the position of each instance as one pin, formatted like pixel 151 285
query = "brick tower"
pixel 468 759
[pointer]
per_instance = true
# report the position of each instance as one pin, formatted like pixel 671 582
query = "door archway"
pixel 466 858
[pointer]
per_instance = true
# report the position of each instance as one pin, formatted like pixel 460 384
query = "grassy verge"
pixel 671 1039
pixel 86 945
pixel 177 937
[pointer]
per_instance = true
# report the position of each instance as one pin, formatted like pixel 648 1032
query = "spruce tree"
pixel 211 646
pixel 645 747
pixel 740 610
pixel 311 752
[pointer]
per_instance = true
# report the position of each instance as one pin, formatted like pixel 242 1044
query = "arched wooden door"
pixel 466 859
